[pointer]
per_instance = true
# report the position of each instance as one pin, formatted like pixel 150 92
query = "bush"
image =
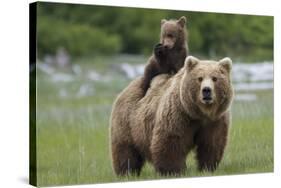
pixel 89 29
pixel 76 39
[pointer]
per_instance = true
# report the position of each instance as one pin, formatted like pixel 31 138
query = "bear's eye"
pixel 214 79
pixel 200 79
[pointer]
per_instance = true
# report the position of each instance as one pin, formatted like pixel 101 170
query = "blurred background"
pixel 98 30
pixel 87 54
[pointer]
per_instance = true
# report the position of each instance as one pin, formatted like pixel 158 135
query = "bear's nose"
pixel 206 93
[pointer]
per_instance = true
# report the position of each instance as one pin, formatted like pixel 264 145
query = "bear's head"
pixel 173 33
pixel 206 87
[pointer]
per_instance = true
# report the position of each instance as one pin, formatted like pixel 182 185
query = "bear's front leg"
pixel 126 159
pixel 211 141
pixel 168 155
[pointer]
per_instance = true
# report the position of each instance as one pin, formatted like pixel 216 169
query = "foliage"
pixel 89 29
pixel 77 39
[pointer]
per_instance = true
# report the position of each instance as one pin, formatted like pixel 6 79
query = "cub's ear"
pixel 226 63
pixel 163 21
pixel 190 63
pixel 182 21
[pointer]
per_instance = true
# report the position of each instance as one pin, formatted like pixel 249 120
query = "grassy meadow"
pixel 73 128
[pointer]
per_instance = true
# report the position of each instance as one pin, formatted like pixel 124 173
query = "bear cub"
pixel 169 55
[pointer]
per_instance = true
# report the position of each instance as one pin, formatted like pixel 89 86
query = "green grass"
pixel 73 143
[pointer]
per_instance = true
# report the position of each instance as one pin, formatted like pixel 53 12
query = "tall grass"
pixel 73 143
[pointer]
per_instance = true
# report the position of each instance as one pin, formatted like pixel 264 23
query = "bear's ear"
pixel 163 21
pixel 190 63
pixel 226 63
pixel 182 21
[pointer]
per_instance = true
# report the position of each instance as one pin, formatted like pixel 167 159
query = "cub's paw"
pixel 159 50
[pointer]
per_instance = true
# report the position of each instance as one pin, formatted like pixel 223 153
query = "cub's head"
pixel 206 86
pixel 173 33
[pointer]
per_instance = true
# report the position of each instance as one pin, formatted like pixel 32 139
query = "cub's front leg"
pixel 160 53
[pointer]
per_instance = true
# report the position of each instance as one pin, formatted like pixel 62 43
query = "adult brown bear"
pixel 178 113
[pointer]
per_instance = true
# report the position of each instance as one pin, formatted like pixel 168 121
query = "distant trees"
pixel 99 30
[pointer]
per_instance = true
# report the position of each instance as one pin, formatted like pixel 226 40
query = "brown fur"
pixel 169 54
pixel 163 126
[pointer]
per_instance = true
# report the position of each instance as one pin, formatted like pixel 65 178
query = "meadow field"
pixel 73 110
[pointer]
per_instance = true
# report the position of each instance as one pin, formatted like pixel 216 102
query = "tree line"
pixel 86 30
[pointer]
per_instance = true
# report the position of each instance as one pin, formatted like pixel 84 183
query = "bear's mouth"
pixel 207 100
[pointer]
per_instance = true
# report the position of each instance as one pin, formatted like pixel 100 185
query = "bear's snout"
pixel 168 43
pixel 207 93
pixel 168 46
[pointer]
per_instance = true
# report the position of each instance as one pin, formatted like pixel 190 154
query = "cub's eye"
pixel 214 79
pixel 170 35
pixel 200 79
